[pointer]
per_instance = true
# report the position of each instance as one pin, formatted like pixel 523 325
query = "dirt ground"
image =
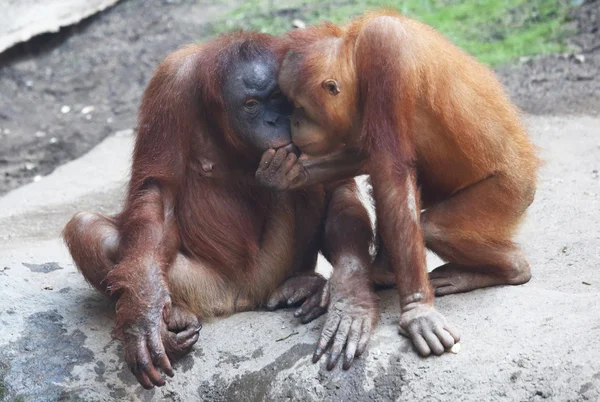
pixel 61 94
pixel 562 84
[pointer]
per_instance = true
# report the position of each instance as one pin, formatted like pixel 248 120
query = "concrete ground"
pixel 526 343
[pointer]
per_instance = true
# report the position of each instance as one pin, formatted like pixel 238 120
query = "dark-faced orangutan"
pixel 198 236
pixel 391 97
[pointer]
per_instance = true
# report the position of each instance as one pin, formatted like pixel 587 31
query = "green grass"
pixel 495 31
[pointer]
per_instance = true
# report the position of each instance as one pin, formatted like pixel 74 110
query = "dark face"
pixel 258 112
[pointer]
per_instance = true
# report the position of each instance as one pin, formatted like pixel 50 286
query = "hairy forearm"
pixel 339 165
pixel 348 232
pixel 398 215
pixel 150 241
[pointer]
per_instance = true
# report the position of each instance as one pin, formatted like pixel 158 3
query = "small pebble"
pixel 65 109
pixel 53 140
pixel 29 166
pixel 48 287
pixel 37 178
pixel 88 109
pixel 40 134
pixel 456 348
pixel 299 24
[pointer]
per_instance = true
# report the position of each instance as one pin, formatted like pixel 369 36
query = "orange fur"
pixel 425 114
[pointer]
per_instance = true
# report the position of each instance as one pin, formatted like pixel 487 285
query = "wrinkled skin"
pixel 351 319
pixel 142 331
pixel 258 112
pixel 282 169
pixel 303 288
pixel 279 169
pixel 428 329
pixel 351 308
pixel 169 336
pixel 183 328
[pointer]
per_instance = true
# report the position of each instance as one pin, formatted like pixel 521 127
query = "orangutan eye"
pixel 332 86
pixel 250 103
pixel 276 95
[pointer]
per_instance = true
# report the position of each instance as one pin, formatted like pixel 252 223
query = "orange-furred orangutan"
pixel 389 96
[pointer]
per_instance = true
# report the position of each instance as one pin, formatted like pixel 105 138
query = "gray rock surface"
pixel 527 343
pixel 21 20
